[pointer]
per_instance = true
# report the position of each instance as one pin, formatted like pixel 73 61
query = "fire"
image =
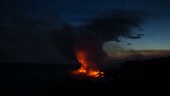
pixel 88 67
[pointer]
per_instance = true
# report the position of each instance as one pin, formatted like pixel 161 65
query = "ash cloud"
pixel 118 23
pixel 91 36
pixel 28 38
pixel 108 27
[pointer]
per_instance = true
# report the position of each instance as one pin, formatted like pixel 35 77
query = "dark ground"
pixel 139 76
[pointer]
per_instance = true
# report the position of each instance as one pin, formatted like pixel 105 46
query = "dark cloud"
pixel 24 37
pixel 88 39
pixel 117 23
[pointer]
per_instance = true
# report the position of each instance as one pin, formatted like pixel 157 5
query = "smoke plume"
pixel 91 36
pixel 24 36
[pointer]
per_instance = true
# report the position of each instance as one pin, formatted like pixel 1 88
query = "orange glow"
pixel 87 68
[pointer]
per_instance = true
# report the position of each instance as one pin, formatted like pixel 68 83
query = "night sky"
pixel 29 44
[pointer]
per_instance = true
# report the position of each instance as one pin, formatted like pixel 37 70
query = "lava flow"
pixel 87 67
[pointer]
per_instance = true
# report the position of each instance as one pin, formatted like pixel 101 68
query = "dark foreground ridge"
pixel 55 80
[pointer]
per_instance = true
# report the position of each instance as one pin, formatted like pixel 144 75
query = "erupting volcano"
pixel 88 68
pixel 85 42
pixel 89 52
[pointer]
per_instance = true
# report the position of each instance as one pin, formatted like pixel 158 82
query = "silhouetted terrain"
pixel 54 79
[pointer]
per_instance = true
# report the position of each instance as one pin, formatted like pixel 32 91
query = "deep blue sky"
pixel 156 28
